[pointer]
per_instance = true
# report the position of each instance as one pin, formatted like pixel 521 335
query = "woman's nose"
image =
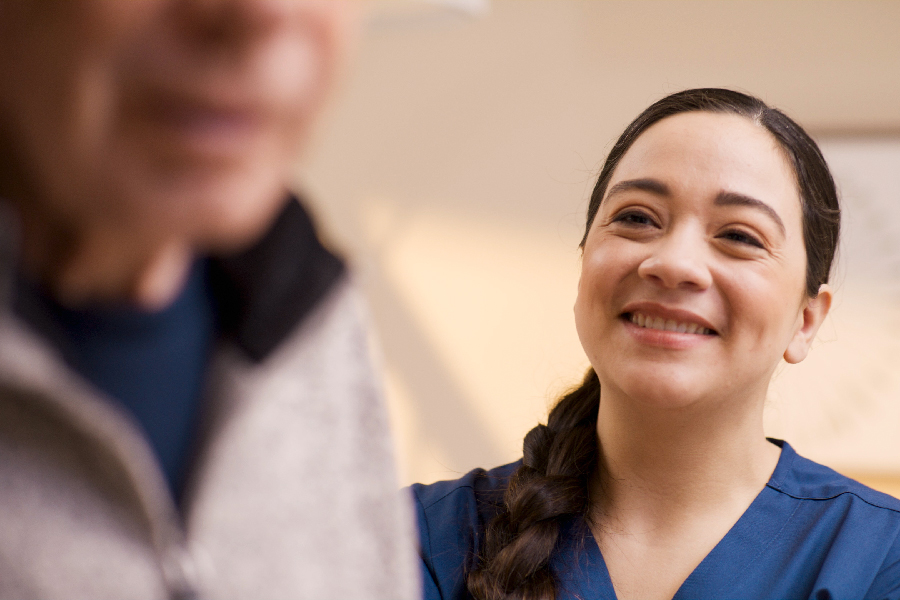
pixel 678 260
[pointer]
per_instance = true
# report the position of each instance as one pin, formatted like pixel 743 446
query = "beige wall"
pixel 455 166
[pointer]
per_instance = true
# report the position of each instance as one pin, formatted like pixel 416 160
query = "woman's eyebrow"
pixel 735 199
pixel 654 186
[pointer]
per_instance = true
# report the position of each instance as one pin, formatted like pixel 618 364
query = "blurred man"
pixel 186 404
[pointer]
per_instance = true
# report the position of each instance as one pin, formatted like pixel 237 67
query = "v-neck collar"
pixel 582 571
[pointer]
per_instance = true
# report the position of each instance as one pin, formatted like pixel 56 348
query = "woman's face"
pixel 693 277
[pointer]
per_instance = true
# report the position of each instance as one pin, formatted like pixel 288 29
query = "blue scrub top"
pixel 810 533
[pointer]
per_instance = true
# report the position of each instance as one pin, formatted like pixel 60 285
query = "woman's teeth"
pixel 668 325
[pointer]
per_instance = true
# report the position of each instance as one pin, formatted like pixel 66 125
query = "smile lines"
pixel 648 322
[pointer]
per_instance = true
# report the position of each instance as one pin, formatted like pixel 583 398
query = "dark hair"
pixel 818 196
pixel 560 458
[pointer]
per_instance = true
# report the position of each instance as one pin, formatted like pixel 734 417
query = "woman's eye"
pixel 634 218
pixel 742 237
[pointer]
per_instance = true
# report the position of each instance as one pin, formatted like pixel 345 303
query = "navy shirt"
pixel 153 363
pixel 810 533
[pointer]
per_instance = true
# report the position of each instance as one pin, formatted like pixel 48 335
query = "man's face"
pixel 160 117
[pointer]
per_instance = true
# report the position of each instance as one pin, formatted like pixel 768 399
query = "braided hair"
pixel 552 482
pixel 560 459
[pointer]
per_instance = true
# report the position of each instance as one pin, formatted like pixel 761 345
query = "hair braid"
pixel 552 483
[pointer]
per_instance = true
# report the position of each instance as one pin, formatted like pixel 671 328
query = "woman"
pixel 709 241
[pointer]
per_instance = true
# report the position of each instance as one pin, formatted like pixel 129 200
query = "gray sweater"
pixel 292 493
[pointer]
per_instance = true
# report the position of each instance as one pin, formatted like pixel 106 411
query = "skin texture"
pixel 701 225
pixel 136 134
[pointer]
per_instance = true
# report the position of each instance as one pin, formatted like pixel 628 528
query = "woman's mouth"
pixel 661 324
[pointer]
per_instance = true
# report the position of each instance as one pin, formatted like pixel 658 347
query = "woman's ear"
pixel 813 314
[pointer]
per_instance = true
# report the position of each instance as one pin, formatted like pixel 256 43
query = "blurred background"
pixel 455 166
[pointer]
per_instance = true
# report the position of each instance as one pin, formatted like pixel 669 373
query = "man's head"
pixel 134 133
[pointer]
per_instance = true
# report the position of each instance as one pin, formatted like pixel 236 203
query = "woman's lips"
pixel 663 324
pixel 662 338
pixel 658 316
pixel 666 327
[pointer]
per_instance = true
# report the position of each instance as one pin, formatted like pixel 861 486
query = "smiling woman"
pixel 706 257
pixel 682 236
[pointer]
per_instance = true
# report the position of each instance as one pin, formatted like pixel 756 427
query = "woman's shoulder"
pixel 477 484
pixel 849 530
pixel 805 479
pixel 452 516
pixel 458 510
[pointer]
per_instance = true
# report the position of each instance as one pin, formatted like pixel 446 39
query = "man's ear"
pixel 812 316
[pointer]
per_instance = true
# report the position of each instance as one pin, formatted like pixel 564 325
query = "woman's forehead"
pixel 706 139
pixel 706 153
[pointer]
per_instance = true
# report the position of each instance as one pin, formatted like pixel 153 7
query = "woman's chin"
pixel 666 392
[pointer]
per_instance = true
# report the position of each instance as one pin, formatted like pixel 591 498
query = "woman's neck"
pixel 659 466
pixel 671 483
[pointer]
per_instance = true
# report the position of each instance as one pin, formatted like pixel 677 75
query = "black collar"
pixel 261 294
pixel 264 292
